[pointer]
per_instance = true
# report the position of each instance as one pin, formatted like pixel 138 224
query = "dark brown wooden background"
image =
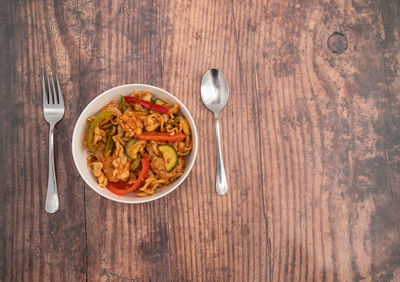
pixel 311 140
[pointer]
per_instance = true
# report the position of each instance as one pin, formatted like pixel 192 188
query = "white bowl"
pixel 80 155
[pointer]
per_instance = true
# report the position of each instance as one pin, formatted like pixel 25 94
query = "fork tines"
pixel 50 95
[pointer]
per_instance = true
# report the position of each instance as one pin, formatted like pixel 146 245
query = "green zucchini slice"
pixel 131 150
pixel 170 156
pixel 134 164
pixel 160 102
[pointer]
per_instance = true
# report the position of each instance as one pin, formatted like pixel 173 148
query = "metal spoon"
pixel 215 94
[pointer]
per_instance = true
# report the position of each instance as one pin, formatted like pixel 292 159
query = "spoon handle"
pixel 221 183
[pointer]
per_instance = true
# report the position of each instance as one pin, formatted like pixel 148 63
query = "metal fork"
pixel 53 111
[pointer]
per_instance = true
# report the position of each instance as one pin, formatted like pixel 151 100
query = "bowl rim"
pixel 119 198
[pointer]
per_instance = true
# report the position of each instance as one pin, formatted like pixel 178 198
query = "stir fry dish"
pixel 137 144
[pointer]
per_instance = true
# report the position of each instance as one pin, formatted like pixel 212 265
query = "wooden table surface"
pixel 311 141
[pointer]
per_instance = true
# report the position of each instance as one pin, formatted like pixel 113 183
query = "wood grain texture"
pixel 228 234
pixel 37 246
pixel 310 139
pixel 330 194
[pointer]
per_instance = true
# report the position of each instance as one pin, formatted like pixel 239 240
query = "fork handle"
pixel 52 195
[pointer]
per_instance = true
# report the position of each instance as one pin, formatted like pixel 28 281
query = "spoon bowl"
pixel 215 94
pixel 214 90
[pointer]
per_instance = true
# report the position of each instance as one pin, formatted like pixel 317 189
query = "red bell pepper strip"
pixel 148 105
pixel 121 187
pixel 160 136
pixel 160 108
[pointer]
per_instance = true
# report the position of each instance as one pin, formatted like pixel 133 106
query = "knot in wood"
pixel 337 42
